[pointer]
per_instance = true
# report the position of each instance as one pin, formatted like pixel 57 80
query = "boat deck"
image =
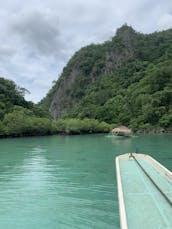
pixel 145 206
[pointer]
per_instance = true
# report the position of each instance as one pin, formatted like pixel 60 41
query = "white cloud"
pixel 38 37
pixel 165 22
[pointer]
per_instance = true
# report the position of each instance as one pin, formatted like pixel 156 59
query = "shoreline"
pixel 154 131
pixel 139 132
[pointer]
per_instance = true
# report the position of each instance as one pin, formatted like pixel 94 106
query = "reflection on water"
pixel 66 182
pixel 118 141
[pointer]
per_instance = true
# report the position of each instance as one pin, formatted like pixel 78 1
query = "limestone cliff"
pixel 126 80
pixel 87 65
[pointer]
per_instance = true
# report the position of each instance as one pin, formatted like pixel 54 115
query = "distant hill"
pixel 11 95
pixel 19 117
pixel 127 81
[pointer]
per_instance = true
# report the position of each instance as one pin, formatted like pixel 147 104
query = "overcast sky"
pixel 38 37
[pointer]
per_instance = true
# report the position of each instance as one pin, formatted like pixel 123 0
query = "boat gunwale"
pixel 122 211
pixel 162 169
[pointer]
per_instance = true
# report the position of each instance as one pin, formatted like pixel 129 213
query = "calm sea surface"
pixel 67 182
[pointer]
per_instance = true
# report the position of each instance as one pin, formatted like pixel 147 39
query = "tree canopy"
pixel 126 81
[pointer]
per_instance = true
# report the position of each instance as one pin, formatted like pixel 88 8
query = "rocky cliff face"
pixel 62 99
pixel 87 66
pixel 126 80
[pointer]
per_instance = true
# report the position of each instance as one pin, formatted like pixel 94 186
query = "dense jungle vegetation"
pixel 125 81
pixel 21 118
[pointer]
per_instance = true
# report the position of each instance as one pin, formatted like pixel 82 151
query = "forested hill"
pixel 19 117
pixel 127 80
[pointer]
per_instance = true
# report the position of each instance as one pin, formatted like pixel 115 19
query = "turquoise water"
pixel 67 181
